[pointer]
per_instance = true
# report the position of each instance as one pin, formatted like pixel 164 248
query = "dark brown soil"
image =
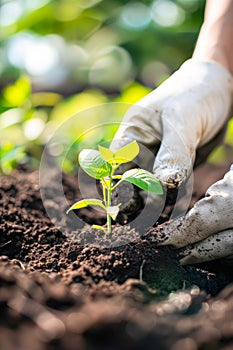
pixel 59 292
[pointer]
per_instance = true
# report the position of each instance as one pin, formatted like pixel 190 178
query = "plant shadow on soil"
pixel 59 289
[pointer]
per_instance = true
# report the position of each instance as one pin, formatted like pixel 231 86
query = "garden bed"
pixel 59 292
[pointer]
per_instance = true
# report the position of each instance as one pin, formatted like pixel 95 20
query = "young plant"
pixel 102 165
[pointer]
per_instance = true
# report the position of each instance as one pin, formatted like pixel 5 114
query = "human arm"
pixel 215 41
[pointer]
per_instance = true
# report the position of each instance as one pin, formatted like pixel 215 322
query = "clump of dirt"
pixel 82 289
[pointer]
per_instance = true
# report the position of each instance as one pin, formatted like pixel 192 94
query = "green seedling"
pixel 102 166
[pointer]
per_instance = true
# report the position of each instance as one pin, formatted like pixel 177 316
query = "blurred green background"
pixel 59 57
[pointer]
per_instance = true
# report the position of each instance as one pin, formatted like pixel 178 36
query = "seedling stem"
pixel 102 165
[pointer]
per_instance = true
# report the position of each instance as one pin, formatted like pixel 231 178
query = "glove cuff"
pixel 210 65
pixel 210 69
pixel 215 77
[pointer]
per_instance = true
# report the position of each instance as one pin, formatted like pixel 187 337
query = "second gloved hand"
pixel 209 225
pixel 187 113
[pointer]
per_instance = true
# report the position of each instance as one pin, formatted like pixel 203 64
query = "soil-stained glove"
pixel 188 111
pixel 209 222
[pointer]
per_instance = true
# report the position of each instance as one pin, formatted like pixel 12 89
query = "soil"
pixel 80 289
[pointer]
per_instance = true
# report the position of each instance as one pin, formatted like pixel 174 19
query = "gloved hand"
pixel 209 222
pixel 187 112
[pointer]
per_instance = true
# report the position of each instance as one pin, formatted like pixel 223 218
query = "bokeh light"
pixel 10 12
pixel 154 72
pixel 166 13
pixel 135 16
pixel 113 66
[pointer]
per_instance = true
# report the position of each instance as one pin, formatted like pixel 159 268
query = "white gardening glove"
pixel 186 112
pixel 209 222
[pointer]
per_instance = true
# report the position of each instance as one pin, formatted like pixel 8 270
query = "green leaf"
pixel 123 155
pixel 113 211
pixel 85 203
pixel 127 153
pixel 98 227
pixel 93 164
pixel 106 153
pixel 144 180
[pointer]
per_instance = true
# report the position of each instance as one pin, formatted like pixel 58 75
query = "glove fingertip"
pixel 170 177
pixel 188 259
